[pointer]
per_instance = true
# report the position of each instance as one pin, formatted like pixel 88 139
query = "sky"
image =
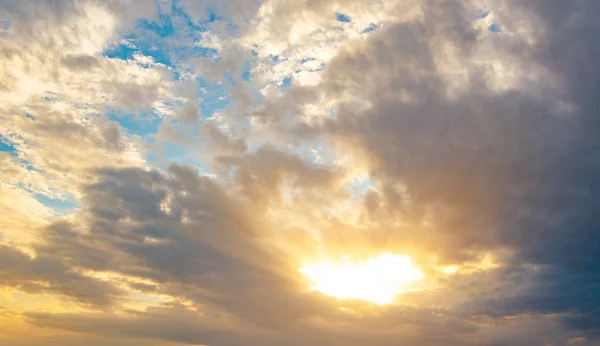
pixel 301 172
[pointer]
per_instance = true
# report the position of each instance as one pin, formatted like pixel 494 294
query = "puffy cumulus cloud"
pixel 52 48
pixel 57 89
pixel 460 133
pixel 294 40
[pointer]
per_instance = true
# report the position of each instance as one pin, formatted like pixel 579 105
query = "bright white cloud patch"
pixel 379 279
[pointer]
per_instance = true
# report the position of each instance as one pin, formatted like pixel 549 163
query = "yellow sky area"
pixel 19 302
pixel 485 262
pixel 14 327
pixel 16 330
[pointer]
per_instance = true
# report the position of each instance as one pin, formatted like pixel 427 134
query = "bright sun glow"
pixel 379 279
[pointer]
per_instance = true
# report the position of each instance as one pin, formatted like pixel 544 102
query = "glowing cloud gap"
pixel 379 279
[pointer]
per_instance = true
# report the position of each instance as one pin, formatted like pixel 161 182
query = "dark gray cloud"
pixel 49 274
pixel 202 244
pixel 196 242
pixel 495 169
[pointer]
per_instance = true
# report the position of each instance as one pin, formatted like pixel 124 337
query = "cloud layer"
pixel 167 167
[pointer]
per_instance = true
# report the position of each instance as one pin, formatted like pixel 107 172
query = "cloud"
pixel 173 231
pixel 57 89
pixel 195 242
pixel 36 275
pixel 491 168
pixel 473 150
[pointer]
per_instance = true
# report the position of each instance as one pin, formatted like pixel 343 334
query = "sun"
pixel 378 279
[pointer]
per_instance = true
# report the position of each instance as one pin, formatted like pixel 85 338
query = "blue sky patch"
pixel 342 17
pixel 481 14
pixel 7 147
pixel 213 17
pixel 144 124
pixel 139 45
pixel 121 51
pixel 360 186
pixel 287 81
pixel 214 96
pixel 163 28
pixel 169 40
pixel 246 71
pixel 495 28
pixel 371 27
pixel 305 60
pixel 59 205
